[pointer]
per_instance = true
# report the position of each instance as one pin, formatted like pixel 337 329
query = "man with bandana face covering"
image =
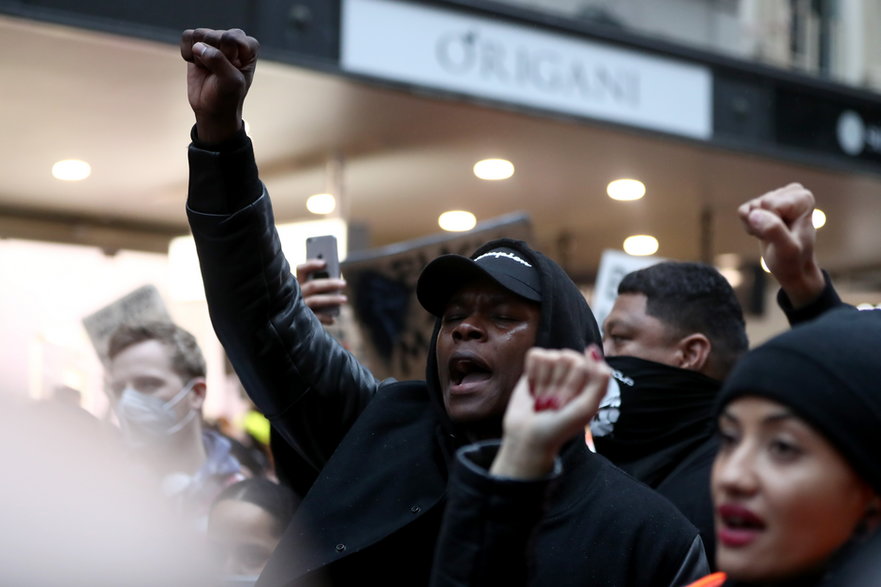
pixel 673 335
pixel 157 387
pixel 674 332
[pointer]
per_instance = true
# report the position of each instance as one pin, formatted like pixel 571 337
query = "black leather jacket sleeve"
pixel 827 300
pixel 309 387
pixel 694 565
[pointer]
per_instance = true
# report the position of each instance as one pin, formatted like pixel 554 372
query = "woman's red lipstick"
pixel 738 526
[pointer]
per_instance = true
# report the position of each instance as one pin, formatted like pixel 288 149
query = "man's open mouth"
pixel 468 368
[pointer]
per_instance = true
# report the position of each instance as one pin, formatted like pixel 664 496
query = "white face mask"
pixel 147 419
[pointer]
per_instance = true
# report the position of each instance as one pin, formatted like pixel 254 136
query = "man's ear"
pixel 197 396
pixel 693 352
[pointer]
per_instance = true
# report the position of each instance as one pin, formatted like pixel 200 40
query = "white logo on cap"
pixel 498 254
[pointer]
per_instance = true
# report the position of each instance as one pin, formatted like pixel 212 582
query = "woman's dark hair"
pixel 277 500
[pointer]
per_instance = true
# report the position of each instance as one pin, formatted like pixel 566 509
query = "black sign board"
pixel 808 122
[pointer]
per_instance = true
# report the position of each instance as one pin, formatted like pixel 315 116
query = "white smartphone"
pixel 324 248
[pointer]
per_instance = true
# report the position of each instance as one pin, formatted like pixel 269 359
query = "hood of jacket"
pixel 566 322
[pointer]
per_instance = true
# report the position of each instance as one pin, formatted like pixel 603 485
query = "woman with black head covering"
pixel 797 479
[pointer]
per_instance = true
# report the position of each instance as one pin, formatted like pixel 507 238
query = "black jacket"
pixel 659 427
pixel 587 524
pixel 827 300
pixel 379 451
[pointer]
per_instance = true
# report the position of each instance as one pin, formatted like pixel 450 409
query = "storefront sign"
pixel 517 64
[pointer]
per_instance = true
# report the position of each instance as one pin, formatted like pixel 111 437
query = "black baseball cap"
pixel 506 266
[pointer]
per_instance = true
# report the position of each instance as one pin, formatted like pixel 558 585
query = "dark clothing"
pixel 290 468
pixel 657 425
pixel 823 578
pixel 856 564
pixel 379 450
pixel 863 569
pixel 827 300
pixel 564 530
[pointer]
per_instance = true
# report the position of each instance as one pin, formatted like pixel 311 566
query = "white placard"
pixel 144 304
pixel 513 63
pixel 614 265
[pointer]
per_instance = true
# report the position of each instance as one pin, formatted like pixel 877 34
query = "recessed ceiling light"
pixel 818 218
pixel 641 245
pixel 321 203
pixel 494 169
pixel 71 170
pixel 625 189
pixel 457 220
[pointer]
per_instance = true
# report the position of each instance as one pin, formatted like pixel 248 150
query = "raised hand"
pixel 320 294
pixel 782 221
pixel 558 394
pixel 220 69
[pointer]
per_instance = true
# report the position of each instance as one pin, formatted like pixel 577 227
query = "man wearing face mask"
pixel 157 386
pixel 674 333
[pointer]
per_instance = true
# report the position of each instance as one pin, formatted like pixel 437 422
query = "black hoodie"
pixel 566 321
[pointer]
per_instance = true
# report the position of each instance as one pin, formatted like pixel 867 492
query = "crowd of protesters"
pixel 713 464
pixel 479 474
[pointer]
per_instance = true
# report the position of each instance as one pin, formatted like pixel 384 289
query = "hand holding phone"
pixel 322 285
pixel 324 248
